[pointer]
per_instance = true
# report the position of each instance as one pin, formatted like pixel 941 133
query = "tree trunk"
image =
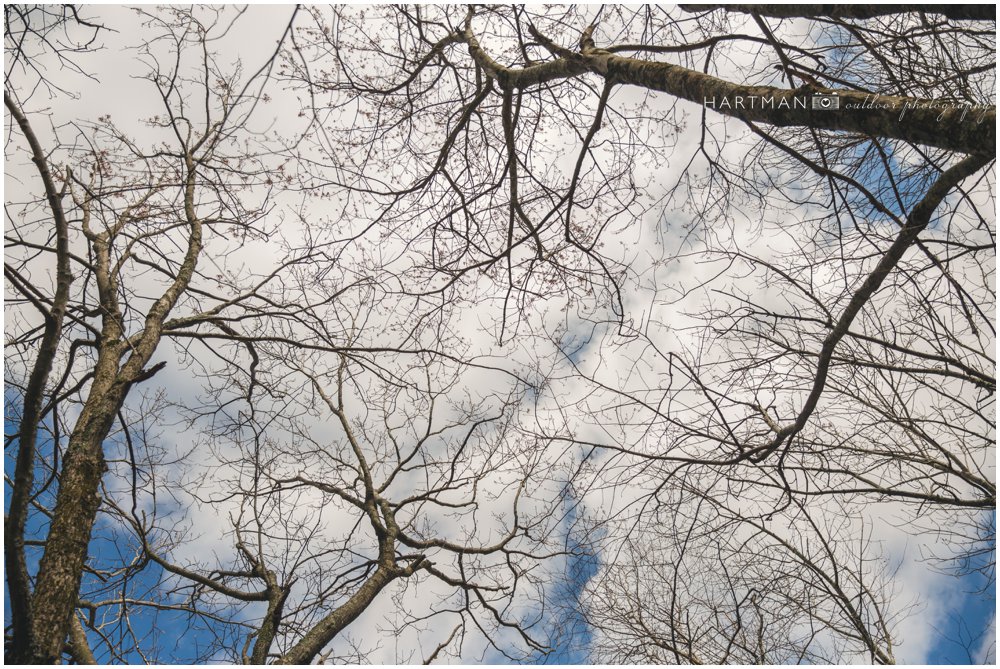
pixel 61 568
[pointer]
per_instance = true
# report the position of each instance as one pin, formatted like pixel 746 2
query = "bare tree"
pixel 126 226
pixel 419 486
pixel 461 125
pixel 490 293
pixel 428 481
pixel 695 582
pixel 834 341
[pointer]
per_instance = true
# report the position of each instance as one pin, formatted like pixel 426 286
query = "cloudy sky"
pixel 575 391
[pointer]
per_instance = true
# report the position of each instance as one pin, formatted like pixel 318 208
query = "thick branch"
pixel 956 12
pixel 951 127
pixel 79 649
pixel 325 630
pixel 918 219
pixel 954 128
pixel 17 571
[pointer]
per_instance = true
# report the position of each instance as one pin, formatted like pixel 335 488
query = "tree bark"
pixel 18 581
pixel 79 648
pixel 947 126
pixel 956 12
pixel 61 568
pixel 77 502
pixel 325 630
pixel 950 127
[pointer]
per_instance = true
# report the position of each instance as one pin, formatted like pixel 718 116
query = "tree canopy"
pixel 499 333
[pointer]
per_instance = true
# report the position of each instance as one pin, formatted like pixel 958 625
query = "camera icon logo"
pixel 825 101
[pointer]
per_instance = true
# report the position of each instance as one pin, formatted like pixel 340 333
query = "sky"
pixel 948 617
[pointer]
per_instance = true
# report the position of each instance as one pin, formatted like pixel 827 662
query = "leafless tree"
pixel 126 225
pixel 427 484
pixel 833 337
pixel 695 582
pixel 508 290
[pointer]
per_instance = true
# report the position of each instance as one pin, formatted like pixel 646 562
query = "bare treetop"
pixel 498 333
